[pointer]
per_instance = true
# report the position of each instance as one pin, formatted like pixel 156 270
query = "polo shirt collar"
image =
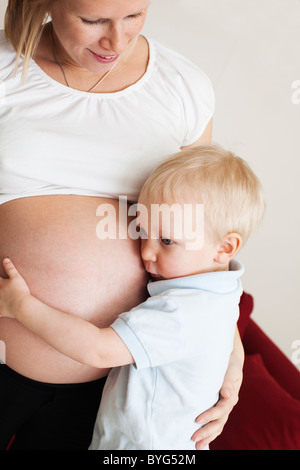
pixel 218 282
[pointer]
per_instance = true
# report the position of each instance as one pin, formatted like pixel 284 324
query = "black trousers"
pixel 40 416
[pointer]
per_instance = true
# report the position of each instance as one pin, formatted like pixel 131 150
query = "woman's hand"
pixel 214 420
pixel 12 290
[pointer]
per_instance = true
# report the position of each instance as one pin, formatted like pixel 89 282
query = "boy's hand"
pixel 12 290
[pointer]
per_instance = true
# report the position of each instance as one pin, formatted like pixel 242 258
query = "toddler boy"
pixel 169 354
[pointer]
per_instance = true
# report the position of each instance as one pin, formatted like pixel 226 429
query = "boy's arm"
pixel 73 336
pixel 70 335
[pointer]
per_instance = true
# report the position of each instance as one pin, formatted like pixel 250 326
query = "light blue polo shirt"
pixel 181 339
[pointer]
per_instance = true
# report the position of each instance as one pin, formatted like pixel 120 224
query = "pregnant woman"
pixel 90 107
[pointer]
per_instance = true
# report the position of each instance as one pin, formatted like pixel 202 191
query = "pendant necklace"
pixel 64 74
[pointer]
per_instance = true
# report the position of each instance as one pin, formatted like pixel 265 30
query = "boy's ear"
pixel 228 248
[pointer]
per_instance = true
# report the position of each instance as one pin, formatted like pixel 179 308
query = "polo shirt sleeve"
pixel 153 332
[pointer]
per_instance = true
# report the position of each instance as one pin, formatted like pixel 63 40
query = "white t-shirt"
pixel 57 140
pixel 181 339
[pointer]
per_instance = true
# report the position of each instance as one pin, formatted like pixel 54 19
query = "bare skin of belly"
pixel 52 241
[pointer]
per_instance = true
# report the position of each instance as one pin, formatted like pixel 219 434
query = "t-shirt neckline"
pixel 140 82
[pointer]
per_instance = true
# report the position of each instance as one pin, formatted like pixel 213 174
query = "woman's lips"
pixel 104 59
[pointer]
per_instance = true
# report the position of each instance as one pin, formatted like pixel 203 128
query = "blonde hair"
pixel 232 194
pixel 24 22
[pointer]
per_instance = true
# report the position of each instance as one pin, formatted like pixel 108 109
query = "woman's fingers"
pixel 202 437
pixel 204 442
pixel 219 412
pixel 232 384
pixel 213 421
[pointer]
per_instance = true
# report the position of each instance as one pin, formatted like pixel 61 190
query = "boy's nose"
pixel 148 252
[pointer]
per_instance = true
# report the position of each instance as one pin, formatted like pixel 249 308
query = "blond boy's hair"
pixel 232 194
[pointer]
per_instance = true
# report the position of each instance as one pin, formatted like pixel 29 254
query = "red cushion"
pixel 266 416
pixel 279 366
pixel 246 307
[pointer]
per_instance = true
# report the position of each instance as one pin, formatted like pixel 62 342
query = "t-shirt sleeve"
pixel 198 100
pixel 191 88
pixel 153 332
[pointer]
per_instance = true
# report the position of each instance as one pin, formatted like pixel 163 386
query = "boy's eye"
pixel 167 241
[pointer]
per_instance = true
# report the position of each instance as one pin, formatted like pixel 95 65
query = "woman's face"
pixel 94 33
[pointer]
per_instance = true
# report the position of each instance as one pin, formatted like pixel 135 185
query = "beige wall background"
pixel 250 50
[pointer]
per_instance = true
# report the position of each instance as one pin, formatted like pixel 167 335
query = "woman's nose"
pixel 115 40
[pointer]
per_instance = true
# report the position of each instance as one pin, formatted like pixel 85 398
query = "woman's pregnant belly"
pixel 52 241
